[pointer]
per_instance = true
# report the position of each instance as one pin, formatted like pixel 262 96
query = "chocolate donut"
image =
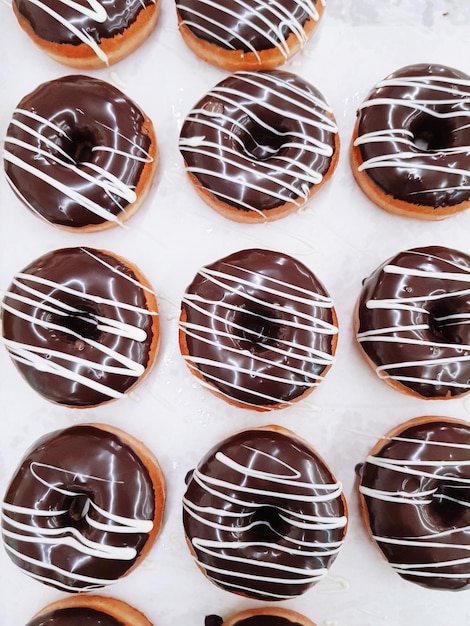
pixel 80 154
pixel 87 34
pixel 263 515
pixel 415 498
pixel 259 145
pixel 81 326
pixel 247 35
pixel 83 508
pixel 411 143
pixel 86 610
pixel 412 322
pixel 258 328
pixel 266 616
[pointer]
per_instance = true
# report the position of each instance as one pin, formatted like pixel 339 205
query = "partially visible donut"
pixel 412 322
pixel 411 143
pixel 80 154
pixel 247 35
pixel 258 329
pixel 81 326
pixel 415 501
pixel 263 515
pixel 89 34
pixel 266 616
pixel 83 508
pixel 259 145
pixel 89 610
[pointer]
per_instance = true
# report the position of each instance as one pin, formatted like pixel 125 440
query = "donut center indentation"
pixel 444 327
pixel 79 507
pixel 267 519
pixel 262 140
pixel 431 134
pixel 75 326
pixel 257 326
pixel 79 145
pixel 448 505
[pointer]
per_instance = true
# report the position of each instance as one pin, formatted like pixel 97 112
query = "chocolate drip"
pixel 77 325
pixel 259 327
pixel 264 515
pixel 416 488
pixel 75 616
pixel 70 554
pixel 413 134
pixel 413 321
pixel 75 151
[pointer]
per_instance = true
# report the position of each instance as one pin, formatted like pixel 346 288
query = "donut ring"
pixel 89 609
pixel 81 325
pixel 259 145
pixel 263 515
pixel 247 35
pixel 411 322
pixel 414 493
pixel 265 616
pixel 80 154
pixel 411 143
pixel 87 35
pixel 83 508
pixel 258 329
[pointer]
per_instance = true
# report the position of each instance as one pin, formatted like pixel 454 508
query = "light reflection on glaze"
pixel 414 321
pixel 264 515
pixel 250 25
pixel 417 493
pixel 259 328
pixel 260 140
pixel 75 151
pixel 79 509
pixel 72 338
pixel 418 105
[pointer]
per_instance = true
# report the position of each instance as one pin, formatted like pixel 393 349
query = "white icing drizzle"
pixel 413 158
pixel 273 178
pixel 286 350
pixel 228 553
pixel 411 334
pixel 46 359
pixel 269 19
pixel 57 534
pixel 435 540
pixel 86 172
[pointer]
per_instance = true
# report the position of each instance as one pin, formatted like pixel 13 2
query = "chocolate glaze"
pixel 420 299
pixel 118 15
pixel 265 620
pixel 249 26
pixel 423 104
pixel 81 476
pixel 75 616
pixel 259 328
pixel 260 140
pixel 252 510
pixel 413 508
pixel 80 132
pixel 63 319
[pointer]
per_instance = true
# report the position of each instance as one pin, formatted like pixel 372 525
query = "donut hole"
pixel 442 326
pixel 82 322
pixel 447 506
pixel 431 134
pixel 257 327
pixel 267 520
pixel 261 141
pixel 79 144
pixel 78 507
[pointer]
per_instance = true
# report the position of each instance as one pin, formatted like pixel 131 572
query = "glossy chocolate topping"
pixel 417 493
pixel 79 509
pixel 75 151
pixel 414 135
pixel 413 321
pixel 264 515
pixel 77 324
pixel 259 328
pixel 249 26
pixel 76 22
pixel 266 620
pixel 260 140
pixel 75 617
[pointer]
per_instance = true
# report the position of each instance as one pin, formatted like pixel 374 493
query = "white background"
pixel 341 236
